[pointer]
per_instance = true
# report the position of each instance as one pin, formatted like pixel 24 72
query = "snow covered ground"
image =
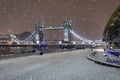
pixel 69 65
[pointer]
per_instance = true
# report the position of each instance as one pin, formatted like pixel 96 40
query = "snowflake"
pixel 48 0
pixel 84 33
pixel 9 30
pixel 39 0
pixel 70 4
pixel 89 8
pixel 94 1
pixel 59 0
pixel 4 11
pixel 4 8
pixel 104 15
pixel 0 16
pixel 4 0
pixel 15 9
pixel 90 21
pixel 24 21
pixel 83 19
pixel 51 17
pixel 24 15
pixel 32 17
pixel 10 17
pixel 74 6
pixel 28 0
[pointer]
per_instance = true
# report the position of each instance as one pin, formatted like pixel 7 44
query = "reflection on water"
pixel 5 50
pixel 22 50
pixel 32 49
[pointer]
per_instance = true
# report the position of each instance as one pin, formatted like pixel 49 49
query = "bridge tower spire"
pixel 38 32
pixel 67 24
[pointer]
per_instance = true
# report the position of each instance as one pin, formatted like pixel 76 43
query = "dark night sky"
pixel 89 16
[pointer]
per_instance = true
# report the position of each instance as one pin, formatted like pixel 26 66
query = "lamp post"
pixel 83 44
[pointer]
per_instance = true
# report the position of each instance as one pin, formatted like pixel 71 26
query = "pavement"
pixel 99 56
pixel 69 65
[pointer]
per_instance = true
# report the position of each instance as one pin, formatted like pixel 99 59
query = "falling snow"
pixel 83 19
pixel 74 6
pixel 15 9
pixel 24 15
pixel 0 16
pixel 39 0
pixel 15 14
pixel 94 1
pixel 4 0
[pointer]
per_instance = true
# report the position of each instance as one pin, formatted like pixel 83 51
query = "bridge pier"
pixel 38 32
pixel 67 24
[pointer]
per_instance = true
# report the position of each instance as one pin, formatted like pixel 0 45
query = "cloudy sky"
pixel 89 16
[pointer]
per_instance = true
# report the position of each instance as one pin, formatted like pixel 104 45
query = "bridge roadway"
pixel 77 46
pixel 70 65
pixel 24 45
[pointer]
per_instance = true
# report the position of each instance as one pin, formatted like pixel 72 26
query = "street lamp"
pixel 83 44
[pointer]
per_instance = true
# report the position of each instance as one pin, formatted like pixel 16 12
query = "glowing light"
pixel 18 42
pixel 74 42
pixel 83 42
pixel 37 42
pixel 60 42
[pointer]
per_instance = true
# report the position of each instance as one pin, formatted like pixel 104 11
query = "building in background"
pixel 4 39
pixel 112 30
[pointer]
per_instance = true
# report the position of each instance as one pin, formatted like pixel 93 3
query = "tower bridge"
pixel 36 39
pixel 37 35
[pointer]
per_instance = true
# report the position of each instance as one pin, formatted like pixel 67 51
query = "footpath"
pixel 99 57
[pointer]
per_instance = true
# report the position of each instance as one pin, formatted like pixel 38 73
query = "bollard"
pixel 41 53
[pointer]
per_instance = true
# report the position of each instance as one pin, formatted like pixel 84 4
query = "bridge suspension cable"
pixel 80 37
pixel 14 38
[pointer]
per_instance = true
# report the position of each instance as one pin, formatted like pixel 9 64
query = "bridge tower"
pixel 67 24
pixel 38 32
